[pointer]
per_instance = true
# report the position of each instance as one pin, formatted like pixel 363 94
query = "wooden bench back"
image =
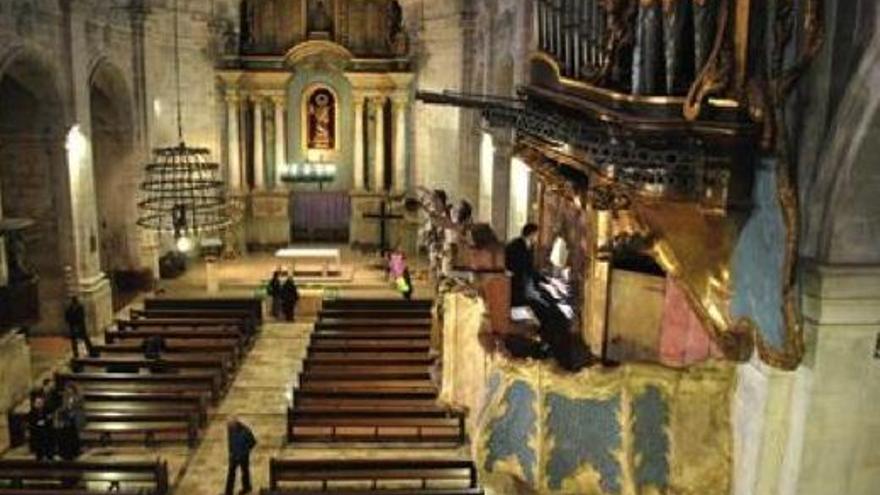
pixel 22 472
pixel 285 471
pixel 252 305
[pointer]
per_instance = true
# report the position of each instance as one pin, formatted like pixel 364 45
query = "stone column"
pixel 4 276
pixel 358 142
pixel 379 166
pixel 501 185
pixel 280 139
pixel 234 160
pixel 400 133
pixel 259 156
pixel 80 225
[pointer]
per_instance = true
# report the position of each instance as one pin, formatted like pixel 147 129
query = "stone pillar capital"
pixel 400 98
pixel 278 99
pixel 232 96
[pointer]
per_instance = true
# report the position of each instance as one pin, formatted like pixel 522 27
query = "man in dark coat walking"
pixel 241 441
pixel 75 316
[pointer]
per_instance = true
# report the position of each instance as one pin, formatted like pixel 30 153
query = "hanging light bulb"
pixel 184 244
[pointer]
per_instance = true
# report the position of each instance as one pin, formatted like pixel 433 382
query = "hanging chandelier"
pixel 181 191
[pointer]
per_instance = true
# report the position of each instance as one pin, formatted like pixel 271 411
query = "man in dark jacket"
pixel 519 259
pixel 274 290
pixel 75 316
pixel 241 441
pixel 290 295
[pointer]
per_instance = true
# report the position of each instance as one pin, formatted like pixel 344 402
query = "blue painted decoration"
pixel 511 432
pixel 759 258
pixel 651 441
pixel 584 431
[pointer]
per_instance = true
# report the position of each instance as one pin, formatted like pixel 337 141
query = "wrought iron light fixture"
pixel 182 192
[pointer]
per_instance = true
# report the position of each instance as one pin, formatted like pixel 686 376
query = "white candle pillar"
pixel 233 163
pixel 259 156
pixel 280 140
pixel 358 143
pixel 379 169
pixel 400 131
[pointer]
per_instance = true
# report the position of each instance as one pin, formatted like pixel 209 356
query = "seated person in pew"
pixel 70 419
pixel 41 432
pixel 52 396
pixel 153 347
pixel 241 441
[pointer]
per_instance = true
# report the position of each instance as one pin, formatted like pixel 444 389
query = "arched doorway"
pixel 116 173
pixel 33 178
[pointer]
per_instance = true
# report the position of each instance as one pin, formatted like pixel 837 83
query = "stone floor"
pixel 259 397
pixel 263 385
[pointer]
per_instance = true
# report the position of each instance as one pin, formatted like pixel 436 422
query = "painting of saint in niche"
pixel 322 120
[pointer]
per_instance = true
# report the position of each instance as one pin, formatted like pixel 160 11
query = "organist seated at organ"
pixel 547 296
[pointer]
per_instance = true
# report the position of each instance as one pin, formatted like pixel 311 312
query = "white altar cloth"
pixel 326 256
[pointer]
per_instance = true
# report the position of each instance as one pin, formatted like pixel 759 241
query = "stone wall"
pixel 15 377
pixel 77 47
pixel 436 31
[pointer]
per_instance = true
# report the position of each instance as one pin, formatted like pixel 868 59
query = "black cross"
pixel 383 216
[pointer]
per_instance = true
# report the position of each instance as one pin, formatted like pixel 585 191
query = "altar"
pixel 324 256
pixel 314 138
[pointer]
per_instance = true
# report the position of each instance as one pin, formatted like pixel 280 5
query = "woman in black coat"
pixel 69 420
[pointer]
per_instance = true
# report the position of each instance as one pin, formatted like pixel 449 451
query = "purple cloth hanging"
pixel 325 212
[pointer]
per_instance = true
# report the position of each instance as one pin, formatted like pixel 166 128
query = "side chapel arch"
pixel 33 177
pixel 115 167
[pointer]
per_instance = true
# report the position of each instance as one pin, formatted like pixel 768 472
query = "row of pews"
pixel 130 398
pixel 367 379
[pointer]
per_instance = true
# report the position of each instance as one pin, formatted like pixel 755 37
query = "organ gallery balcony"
pixel 661 126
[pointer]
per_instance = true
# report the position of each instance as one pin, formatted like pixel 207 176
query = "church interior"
pixel 439 247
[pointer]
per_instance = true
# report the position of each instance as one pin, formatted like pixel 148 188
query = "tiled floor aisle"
pixel 259 398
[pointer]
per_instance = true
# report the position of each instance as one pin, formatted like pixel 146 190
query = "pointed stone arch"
pixel 34 180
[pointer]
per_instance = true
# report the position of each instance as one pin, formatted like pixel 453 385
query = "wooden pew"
pixel 383 333
pixel 176 334
pixel 378 304
pixel 184 324
pixel 370 324
pixel 168 363
pixel 211 314
pixel 401 424
pixel 179 347
pixel 252 305
pixel 208 383
pixel 30 477
pixel 370 345
pixel 356 358
pixel 193 405
pixel 151 427
pixel 423 474
pixel 367 313
pixel 191 323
